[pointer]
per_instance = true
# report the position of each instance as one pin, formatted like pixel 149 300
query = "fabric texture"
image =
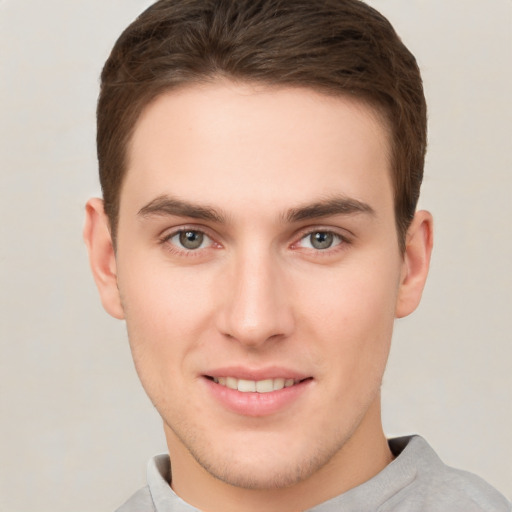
pixel 416 481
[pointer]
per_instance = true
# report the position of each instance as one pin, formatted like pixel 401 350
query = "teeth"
pixel 231 383
pixel 279 383
pixel 252 386
pixel 246 386
pixel 263 386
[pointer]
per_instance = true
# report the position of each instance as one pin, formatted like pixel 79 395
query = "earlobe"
pixel 418 249
pixel 102 259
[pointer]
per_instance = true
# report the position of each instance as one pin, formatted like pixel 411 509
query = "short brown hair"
pixel 332 46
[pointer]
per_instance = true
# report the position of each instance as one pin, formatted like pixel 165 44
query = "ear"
pixel 416 262
pixel 102 257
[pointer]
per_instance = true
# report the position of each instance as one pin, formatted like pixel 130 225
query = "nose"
pixel 257 305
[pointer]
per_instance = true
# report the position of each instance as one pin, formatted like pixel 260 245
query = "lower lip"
pixel 257 404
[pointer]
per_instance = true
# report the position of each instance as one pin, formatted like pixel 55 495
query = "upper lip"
pixel 256 374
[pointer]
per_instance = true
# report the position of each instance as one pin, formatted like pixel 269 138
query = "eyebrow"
pixel 165 205
pixel 333 206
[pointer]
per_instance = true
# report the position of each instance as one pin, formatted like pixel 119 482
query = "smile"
pixel 261 395
pixel 255 386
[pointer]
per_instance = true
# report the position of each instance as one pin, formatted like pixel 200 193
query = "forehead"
pixel 245 144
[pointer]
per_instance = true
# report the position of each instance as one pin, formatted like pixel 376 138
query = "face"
pixel 259 274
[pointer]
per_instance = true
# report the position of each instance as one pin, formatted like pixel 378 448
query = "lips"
pixel 259 392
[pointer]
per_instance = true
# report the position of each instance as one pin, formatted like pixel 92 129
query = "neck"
pixel 365 454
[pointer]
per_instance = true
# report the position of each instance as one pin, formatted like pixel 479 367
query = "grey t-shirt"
pixel 416 481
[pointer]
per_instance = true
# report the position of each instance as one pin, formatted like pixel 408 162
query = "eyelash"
pixel 182 251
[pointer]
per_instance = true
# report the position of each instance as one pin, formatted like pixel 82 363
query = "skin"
pixel 258 170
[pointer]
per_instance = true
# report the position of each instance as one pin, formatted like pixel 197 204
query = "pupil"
pixel 321 240
pixel 191 239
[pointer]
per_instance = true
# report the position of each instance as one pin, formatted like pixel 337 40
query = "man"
pixel 261 164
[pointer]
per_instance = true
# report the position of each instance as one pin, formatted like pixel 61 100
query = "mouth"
pixel 257 393
pixel 256 386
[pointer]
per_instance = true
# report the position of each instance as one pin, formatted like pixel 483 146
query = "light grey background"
pixel 76 428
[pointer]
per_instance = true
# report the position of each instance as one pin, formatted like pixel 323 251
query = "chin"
pixel 259 465
pixel 262 475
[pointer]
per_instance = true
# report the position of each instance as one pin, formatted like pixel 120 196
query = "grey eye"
pixel 191 239
pixel 321 240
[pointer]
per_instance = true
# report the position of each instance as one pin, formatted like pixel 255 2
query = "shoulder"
pixel 438 487
pixel 140 502
pixel 464 487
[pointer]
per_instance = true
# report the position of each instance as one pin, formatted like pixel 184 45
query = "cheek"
pixel 161 298
pixel 354 315
pixel 359 297
pixel 165 316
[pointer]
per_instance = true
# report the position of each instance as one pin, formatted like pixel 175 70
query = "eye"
pixel 190 239
pixel 320 240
